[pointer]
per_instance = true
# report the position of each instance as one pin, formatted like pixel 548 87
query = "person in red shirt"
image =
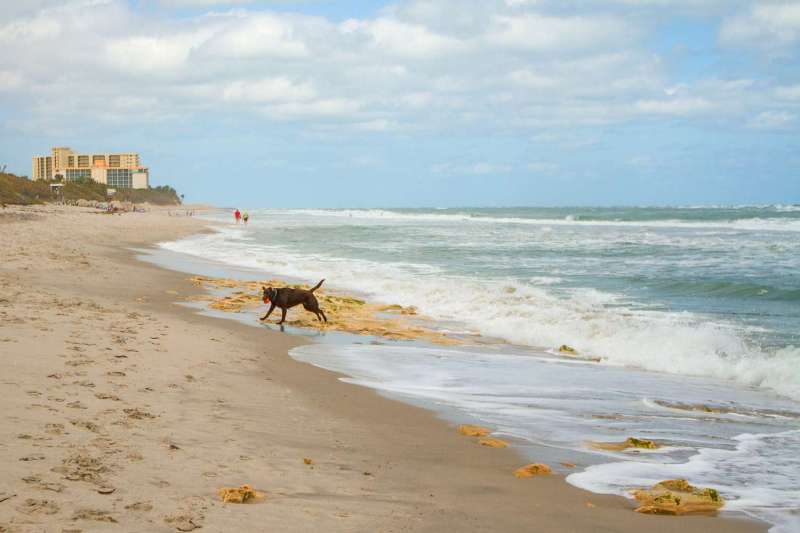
pixel 237 215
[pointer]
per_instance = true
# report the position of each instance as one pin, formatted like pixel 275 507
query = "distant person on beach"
pixel 237 215
pixel 245 217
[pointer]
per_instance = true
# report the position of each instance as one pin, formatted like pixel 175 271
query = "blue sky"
pixel 418 102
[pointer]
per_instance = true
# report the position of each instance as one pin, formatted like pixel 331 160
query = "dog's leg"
pixel 271 308
pixel 312 307
pixel 323 315
pixel 283 315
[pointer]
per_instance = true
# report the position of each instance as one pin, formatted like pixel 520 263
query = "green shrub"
pixel 20 190
pixel 162 195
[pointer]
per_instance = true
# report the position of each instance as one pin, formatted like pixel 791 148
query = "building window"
pixel 77 174
pixel 119 178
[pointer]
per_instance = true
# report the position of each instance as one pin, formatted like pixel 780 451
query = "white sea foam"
pixel 749 224
pixel 531 315
pixel 760 477
pixel 552 401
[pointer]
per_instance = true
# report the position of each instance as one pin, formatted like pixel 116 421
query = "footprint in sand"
pixel 183 521
pixel 37 482
pixel 54 429
pixel 32 458
pixel 94 514
pixel 86 424
pixel 138 414
pixel 140 506
pixel 82 467
pixel 33 506
pixel 106 396
pixel 79 362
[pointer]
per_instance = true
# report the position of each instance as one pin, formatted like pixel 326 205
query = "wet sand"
pixel 124 411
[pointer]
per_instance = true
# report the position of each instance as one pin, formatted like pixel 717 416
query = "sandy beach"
pixel 124 411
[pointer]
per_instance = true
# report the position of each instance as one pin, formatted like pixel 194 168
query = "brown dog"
pixel 287 297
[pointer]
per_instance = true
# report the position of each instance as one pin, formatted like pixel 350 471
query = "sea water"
pixel 693 313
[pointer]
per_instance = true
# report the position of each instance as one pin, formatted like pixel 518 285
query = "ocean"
pixel 693 313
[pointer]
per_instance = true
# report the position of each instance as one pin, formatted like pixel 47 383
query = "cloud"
pixel 203 3
pixel 674 106
pixel 482 168
pixel 773 120
pixel 402 39
pixel 766 24
pixel 10 80
pixel 542 33
pixel 788 92
pixel 543 167
pixel 252 36
pixel 418 65
pixel 267 90
pixel 148 53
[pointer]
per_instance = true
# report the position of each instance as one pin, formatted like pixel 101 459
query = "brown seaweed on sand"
pixel 492 442
pixel 630 442
pixel 345 313
pixel 534 469
pixel 677 497
pixel 241 494
pixel 473 431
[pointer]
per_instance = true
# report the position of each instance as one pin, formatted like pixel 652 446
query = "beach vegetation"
pixel 161 195
pixel 22 191
pixel 19 190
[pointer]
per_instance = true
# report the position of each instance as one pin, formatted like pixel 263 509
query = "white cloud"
pixel 323 108
pixel 675 106
pixel 249 36
pixel 402 39
pixel 482 168
pixel 10 80
pixel 766 24
pixel 543 167
pixel 203 3
pixel 788 92
pixel 772 120
pixel 145 54
pixel 267 90
pixel 418 65
pixel 534 32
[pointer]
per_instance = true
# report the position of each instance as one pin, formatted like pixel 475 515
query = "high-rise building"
pixel 119 171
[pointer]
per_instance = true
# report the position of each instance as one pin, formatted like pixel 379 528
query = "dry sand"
pixel 125 412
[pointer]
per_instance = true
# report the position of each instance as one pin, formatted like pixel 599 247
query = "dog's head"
pixel 268 294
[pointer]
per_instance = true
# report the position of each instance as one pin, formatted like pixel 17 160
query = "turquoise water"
pixel 684 307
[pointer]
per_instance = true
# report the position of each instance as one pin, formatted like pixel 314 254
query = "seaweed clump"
pixel 677 497
pixel 630 442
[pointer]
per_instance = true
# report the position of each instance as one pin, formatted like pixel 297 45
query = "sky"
pixel 323 103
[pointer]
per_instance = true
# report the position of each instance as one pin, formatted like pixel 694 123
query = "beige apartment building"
pixel 118 171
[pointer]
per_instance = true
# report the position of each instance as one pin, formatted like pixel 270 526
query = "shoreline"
pixel 241 411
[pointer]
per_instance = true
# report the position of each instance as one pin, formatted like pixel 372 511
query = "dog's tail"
pixel 317 286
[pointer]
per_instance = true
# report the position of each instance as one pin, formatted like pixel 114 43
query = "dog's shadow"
pixel 294 330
